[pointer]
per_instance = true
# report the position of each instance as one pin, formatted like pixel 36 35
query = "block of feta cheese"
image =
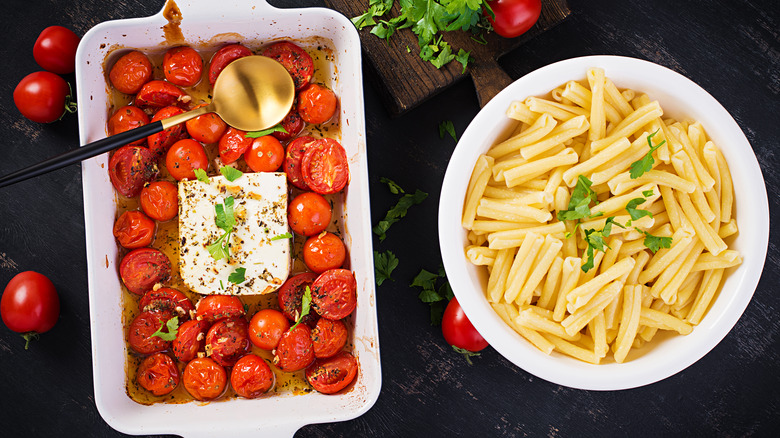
pixel 257 243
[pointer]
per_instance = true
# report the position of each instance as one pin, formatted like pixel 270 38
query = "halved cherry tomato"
pixel 291 297
pixel 207 128
pixel 458 330
pixel 265 154
pixel 55 50
pixel 324 251
pixel 295 350
pixel 167 299
pixel 251 377
pixel 160 142
pixel 223 57
pixel 328 337
pixel 214 307
pixel 309 214
pixel 158 374
pixel 227 340
pixel 43 97
pixel 324 166
pixel 333 374
pixel 334 293
pixel 160 200
pixel 317 104
pixel 232 145
pixel 292 161
pixel 190 339
pixel 182 66
pixel 184 157
pixel 267 327
pixel 134 230
pixel 297 62
pixel 127 118
pixel 130 72
pixel 141 331
pixel 292 123
pixel 130 167
pixel 30 305
pixel 142 268
pixel 204 379
pixel 159 94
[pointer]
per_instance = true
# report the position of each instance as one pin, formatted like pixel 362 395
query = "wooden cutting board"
pixel 404 80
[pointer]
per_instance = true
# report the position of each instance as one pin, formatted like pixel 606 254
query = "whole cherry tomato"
pixel 130 167
pixel 267 327
pixel 160 200
pixel 182 66
pixel 55 50
pixel 184 157
pixel 334 293
pixel 458 330
pixel 291 297
pixel 158 374
pixel 332 374
pixel 134 229
pixel 265 154
pixel 324 166
pixel 160 142
pixel 295 350
pixel 309 214
pixel 43 97
pixel 142 268
pixel 227 340
pixel 223 57
pixel 141 333
pixel 204 379
pixel 127 118
pixel 328 337
pixel 159 94
pixel 167 299
pixel 292 160
pixel 232 145
pixel 324 251
pixel 214 307
pixel 317 104
pixel 190 340
pixel 207 128
pixel 251 377
pixel 513 17
pixel 297 62
pixel 130 72
pixel 30 305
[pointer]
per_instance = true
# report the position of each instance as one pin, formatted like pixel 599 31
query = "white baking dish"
pixel 203 23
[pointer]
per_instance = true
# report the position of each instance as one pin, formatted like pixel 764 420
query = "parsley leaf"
pixel 201 175
pixel 264 132
pixel 398 211
pixel 384 264
pixel 394 188
pixel 579 203
pixel 645 164
pixel 446 127
pixel 231 173
pixel 305 307
pixel 225 219
pixel 634 212
pixel 654 243
pixel 173 328
pixel 463 57
pixel 596 240
pixel 238 276
pixel 437 299
pixel 282 236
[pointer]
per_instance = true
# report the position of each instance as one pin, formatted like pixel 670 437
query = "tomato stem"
pixel 466 353
pixel 70 103
pixel 29 336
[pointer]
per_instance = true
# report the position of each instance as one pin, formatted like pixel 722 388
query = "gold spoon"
pixel 251 94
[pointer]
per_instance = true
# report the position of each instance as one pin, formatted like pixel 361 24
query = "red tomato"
pixel 130 72
pixel 458 330
pixel 333 374
pixel 297 62
pixel 232 145
pixel 204 379
pixel 158 374
pixel 30 304
pixel 182 66
pixel 130 167
pixel 42 97
pixel 267 327
pixel 295 350
pixel 292 123
pixel 309 214
pixel 190 340
pixel 328 337
pixel 324 251
pixel 317 104
pixel 159 94
pixel 214 307
pixel 160 142
pixel 513 17
pixel 292 161
pixel 160 200
pixel 55 50
pixel 207 128
pixel 324 166
pixel 223 57
pixel 265 154
pixel 184 157
pixel 291 297
pixel 142 268
pixel 251 377
pixel 227 340
pixel 140 334
pixel 127 118
pixel 167 299
pixel 134 230
pixel 334 293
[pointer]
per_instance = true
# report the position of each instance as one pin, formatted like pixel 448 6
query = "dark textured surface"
pixel 730 48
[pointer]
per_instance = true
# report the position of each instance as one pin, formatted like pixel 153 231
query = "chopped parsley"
pixel 645 164
pixel 225 220
pixel 579 203
pixel 264 132
pixel 384 264
pixel 231 173
pixel 201 175
pixel 398 211
pixel 305 307
pixel 446 127
pixel 394 188
pixel 173 328
pixel 237 276
pixel 282 236
pixel 435 296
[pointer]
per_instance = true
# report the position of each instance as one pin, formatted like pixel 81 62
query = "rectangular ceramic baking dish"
pixel 206 23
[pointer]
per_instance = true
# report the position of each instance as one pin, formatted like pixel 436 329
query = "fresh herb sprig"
pixel 645 164
pixel 225 220
pixel 436 292
pixel 384 264
pixel 398 211
pixel 173 328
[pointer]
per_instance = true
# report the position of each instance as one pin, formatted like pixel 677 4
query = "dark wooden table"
pixel 730 48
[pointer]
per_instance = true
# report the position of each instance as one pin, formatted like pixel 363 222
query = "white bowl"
pixel 680 98
pixel 206 22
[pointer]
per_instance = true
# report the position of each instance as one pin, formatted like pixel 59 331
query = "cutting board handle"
pixel 489 79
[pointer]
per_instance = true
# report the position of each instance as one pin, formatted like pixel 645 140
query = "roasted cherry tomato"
pixel 324 251
pixel 204 379
pixel 140 334
pixel 223 57
pixel 55 50
pixel 182 66
pixel 167 299
pixel 295 350
pixel 324 166
pixel 184 157
pixel 134 229
pixel 127 118
pixel 251 377
pixel 267 327
pixel 334 293
pixel 294 59
pixel 214 307
pixel 42 97
pixel 458 330
pixel 130 72
pixel 513 17
pixel 158 374
pixel 130 167
pixel 142 268
pixel 328 337
pixel 207 128
pixel 265 154
pixel 190 340
pixel 309 214
pixel 232 145
pixel 160 142
pixel 160 200
pixel 292 161
pixel 227 340
pixel 316 104
pixel 333 374
pixel 30 304
pixel 291 297
pixel 292 123
pixel 159 94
